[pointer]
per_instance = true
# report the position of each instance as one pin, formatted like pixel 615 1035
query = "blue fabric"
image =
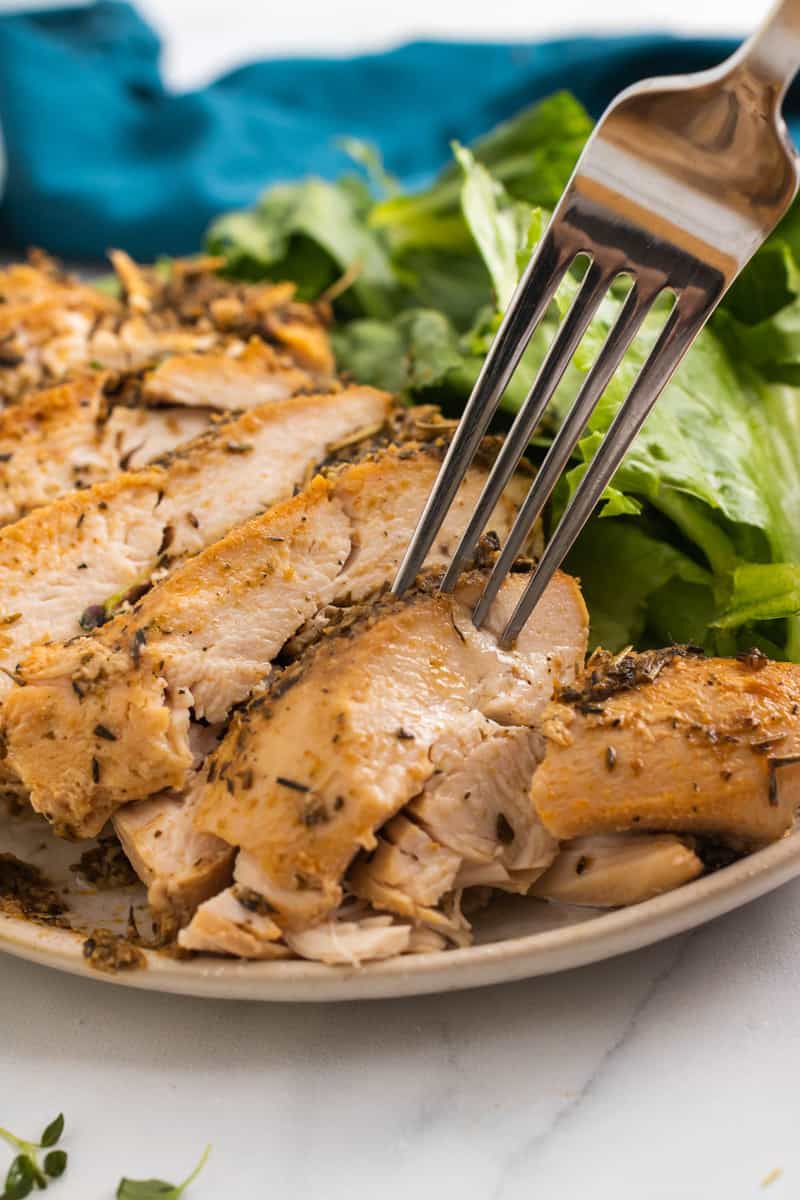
pixel 100 153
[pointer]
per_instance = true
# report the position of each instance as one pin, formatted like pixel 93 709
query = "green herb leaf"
pixel 625 567
pixel 55 1163
pixel 368 156
pixel 769 282
pixel 503 230
pixel 20 1179
pixel 53 1132
pixel 412 250
pixel 157 1189
pixel 761 592
pixel 534 153
pixel 109 285
pixel 25 1172
pixel 163 268
pixel 415 352
pixel 311 232
pixel 145 1189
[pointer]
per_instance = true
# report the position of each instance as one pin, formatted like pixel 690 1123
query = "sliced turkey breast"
pixel 41 278
pixel 191 292
pixel 672 741
pixel 40 341
pixel 239 925
pixel 70 436
pixel 98 423
pixel 235 376
pixel 410 874
pixel 67 564
pixel 159 835
pixel 51 325
pixel 472 826
pixel 612 870
pixel 180 866
pixel 352 940
pixel 348 736
pixel 40 344
pixel 198 644
pixel 353 935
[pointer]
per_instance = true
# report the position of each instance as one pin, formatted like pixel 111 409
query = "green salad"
pixel 698 539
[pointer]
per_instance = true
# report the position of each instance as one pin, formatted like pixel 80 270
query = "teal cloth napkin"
pixel 100 153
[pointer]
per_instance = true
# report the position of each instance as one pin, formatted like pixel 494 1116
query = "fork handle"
pixel 773 51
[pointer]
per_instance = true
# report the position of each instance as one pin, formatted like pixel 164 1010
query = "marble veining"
pixel 668 1074
pixel 520 1161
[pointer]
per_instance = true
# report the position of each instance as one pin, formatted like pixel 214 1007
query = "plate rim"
pixel 526 956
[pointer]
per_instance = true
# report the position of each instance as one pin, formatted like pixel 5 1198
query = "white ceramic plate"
pixel 515 937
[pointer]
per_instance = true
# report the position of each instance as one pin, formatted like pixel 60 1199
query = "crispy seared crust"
pixel 673 741
pixel 41 278
pixel 304 828
pixel 38 437
pixel 64 529
pixel 194 293
pixel 51 325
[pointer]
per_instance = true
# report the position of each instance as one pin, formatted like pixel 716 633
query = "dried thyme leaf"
pixel 105 866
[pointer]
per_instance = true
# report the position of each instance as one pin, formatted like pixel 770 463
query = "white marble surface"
pixel 669 1074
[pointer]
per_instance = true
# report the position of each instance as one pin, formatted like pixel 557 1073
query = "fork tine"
pixel 594 286
pixel 637 304
pixel 673 342
pixel 526 309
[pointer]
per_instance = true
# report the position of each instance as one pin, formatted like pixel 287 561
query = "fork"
pixel 681 182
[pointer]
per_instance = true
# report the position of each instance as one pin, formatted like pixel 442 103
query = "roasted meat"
pixel 180 865
pixel 51 325
pixel 66 565
pixel 46 322
pixel 193 293
pixel 72 436
pixel 235 376
pixel 357 728
pixel 98 423
pixel 612 870
pixel 197 644
pixel 473 825
pixel 672 741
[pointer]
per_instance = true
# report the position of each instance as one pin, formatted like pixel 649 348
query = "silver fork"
pixel 679 185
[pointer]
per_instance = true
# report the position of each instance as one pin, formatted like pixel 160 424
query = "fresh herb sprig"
pixel 158 1189
pixel 26 1172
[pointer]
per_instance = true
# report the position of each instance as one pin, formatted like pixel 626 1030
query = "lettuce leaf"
pixel 628 608
pixel 698 538
pixel 505 232
pixel 311 232
pixel 415 352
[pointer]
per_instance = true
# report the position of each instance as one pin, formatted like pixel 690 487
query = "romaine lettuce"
pixel 699 536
